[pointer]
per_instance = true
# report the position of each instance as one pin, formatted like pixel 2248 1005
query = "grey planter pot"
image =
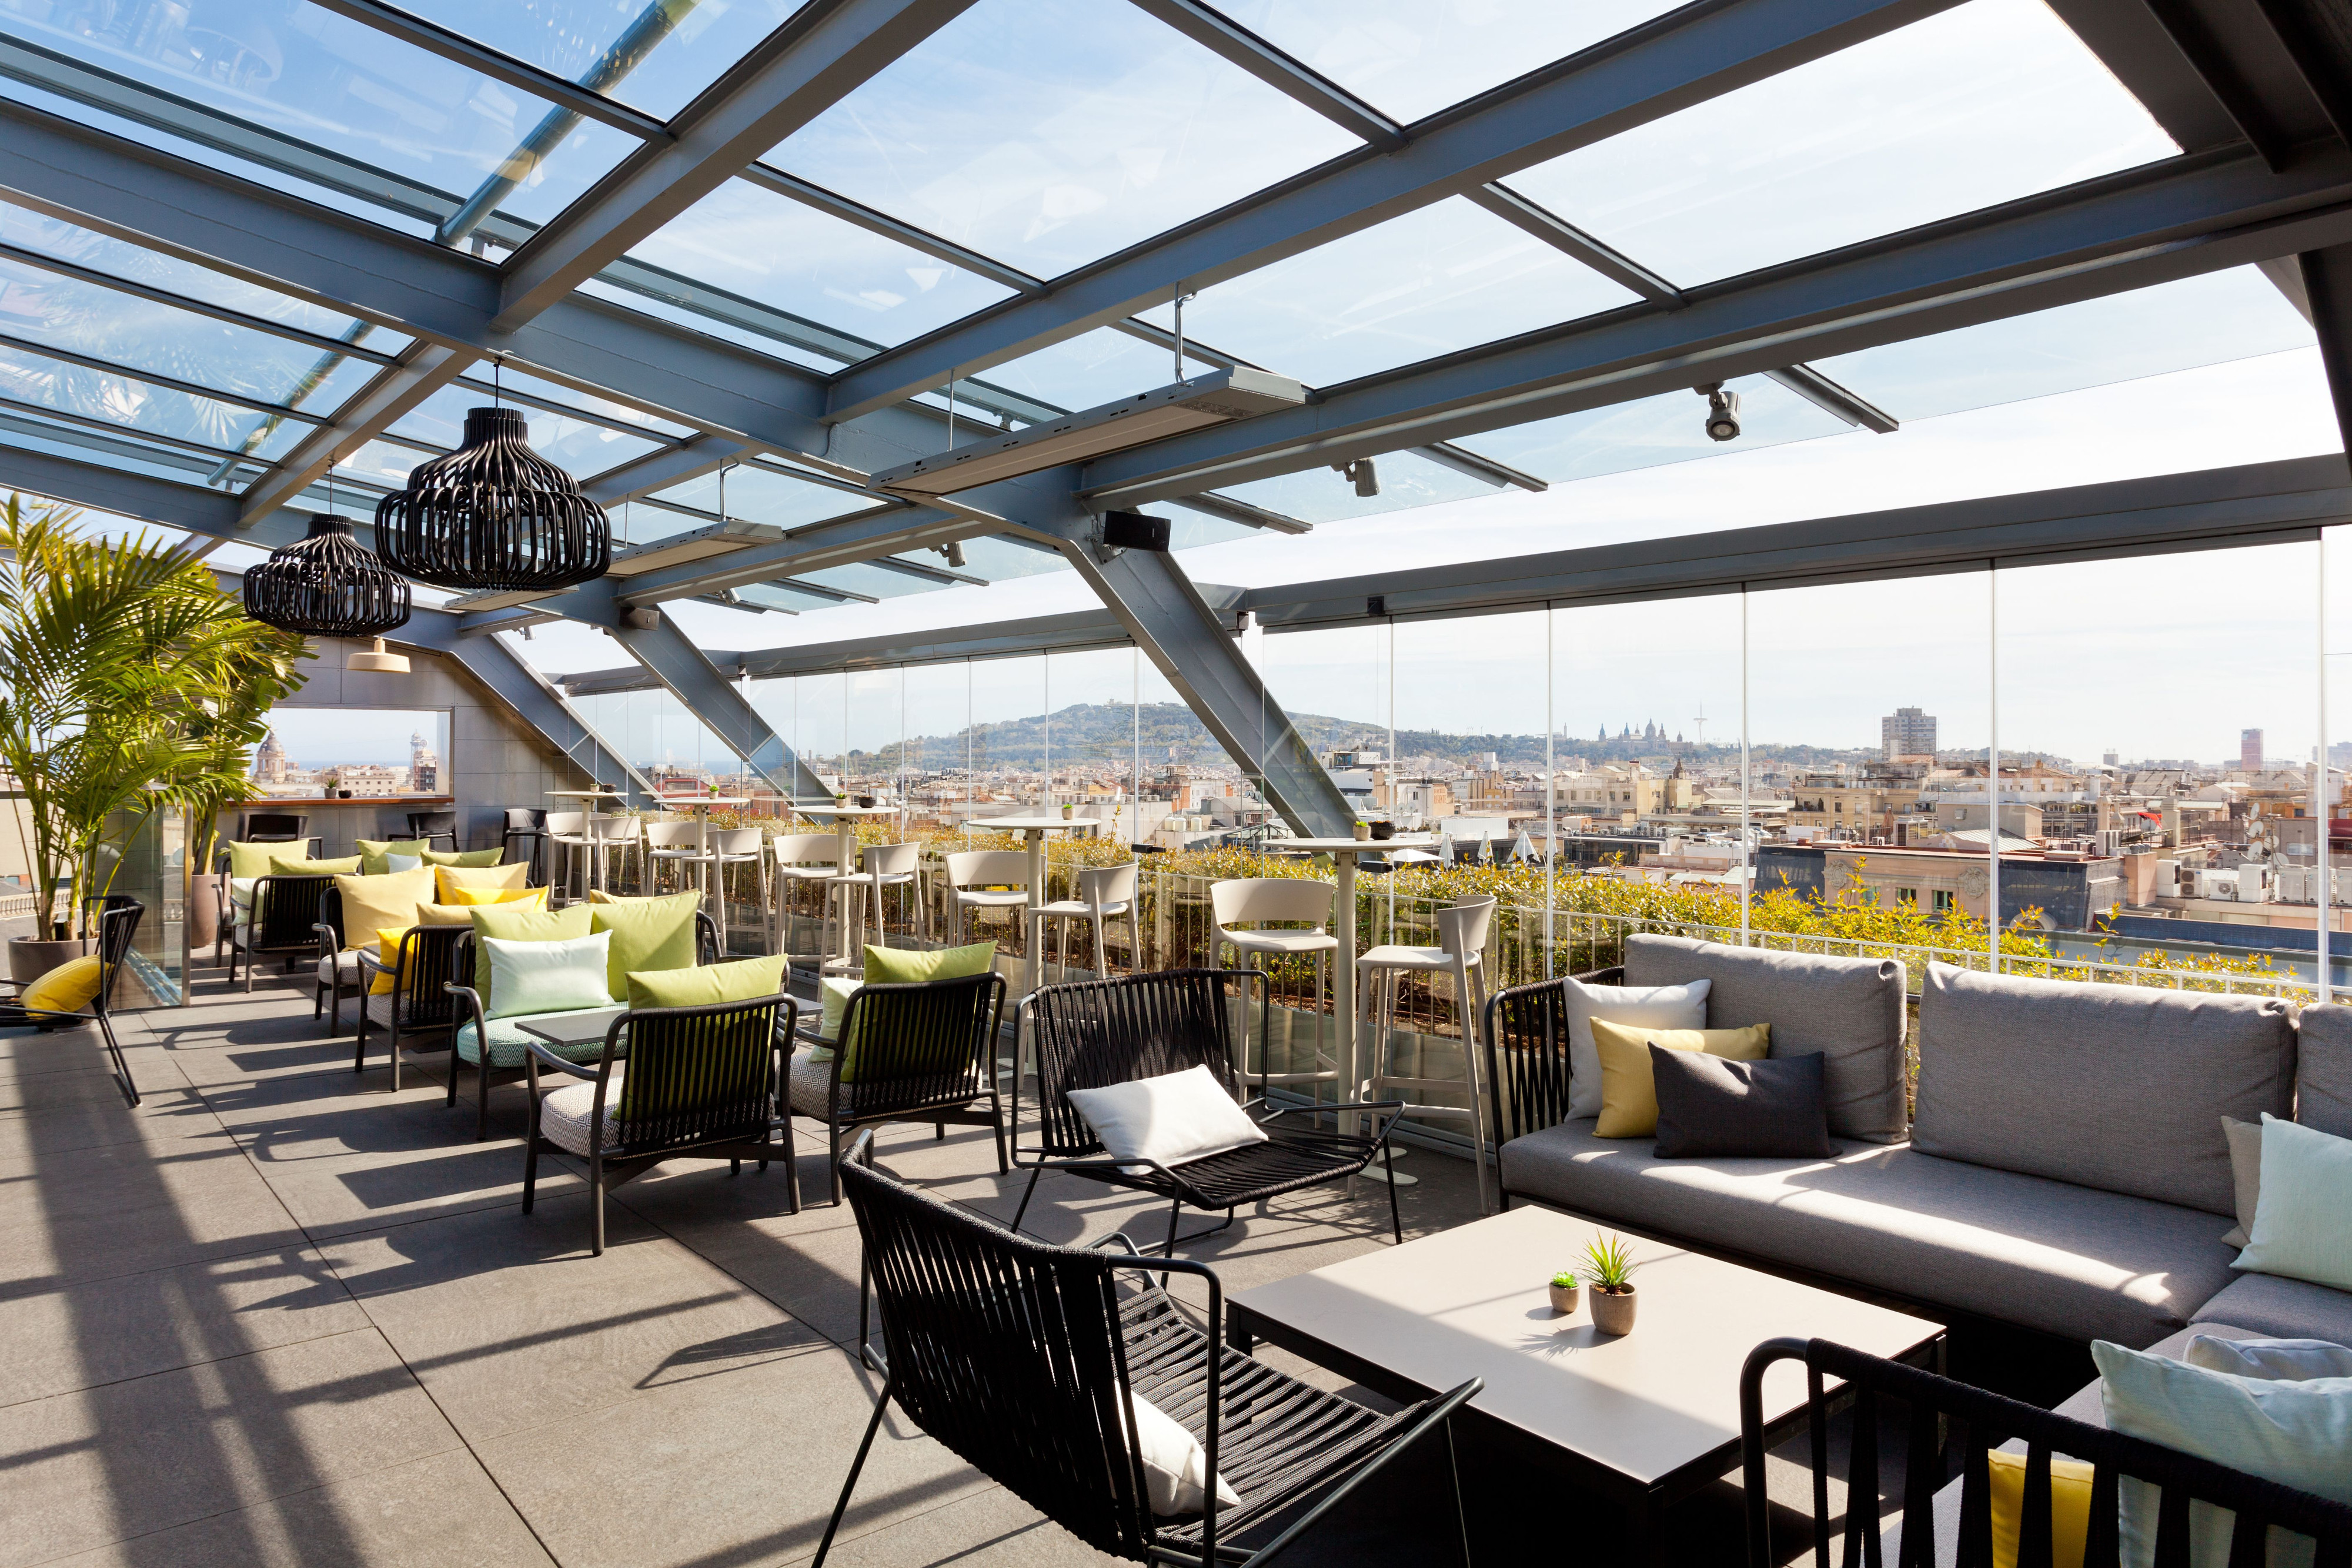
pixel 29 958
pixel 1612 1313
pixel 204 895
pixel 1563 1298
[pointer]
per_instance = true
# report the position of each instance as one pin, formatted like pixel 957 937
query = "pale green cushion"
pixel 745 980
pixel 510 1044
pixel 648 934
pixel 903 965
pixel 2295 1433
pixel 2303 1215
pixel 834 992
pixel 374 853
pixel 547 977
pixel 250 860
pixel 517 924
pixel 464 857
pixel 303 865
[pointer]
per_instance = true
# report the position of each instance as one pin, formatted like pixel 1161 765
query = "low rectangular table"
pixel 584 1028
pixel 1647 1419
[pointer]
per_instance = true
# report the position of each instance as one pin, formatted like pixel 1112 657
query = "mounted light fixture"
pixel 1722 411
pixel 379 661
pixel 327 585
pixel 494 515
pixel 1361 473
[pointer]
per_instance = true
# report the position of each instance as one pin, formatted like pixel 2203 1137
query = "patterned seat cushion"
pixel 563 1112
pixel 809 1084
pixel 344 968
pixel 509 1045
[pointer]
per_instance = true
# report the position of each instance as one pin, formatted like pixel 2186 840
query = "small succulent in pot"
pixel 1563 1290
pixel 1609 1267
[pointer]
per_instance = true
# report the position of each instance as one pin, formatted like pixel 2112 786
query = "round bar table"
pixel 1344 854
pixel 845 821
pixel 1034 830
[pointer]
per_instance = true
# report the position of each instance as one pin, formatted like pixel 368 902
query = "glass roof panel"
pixel 2231 315
pixel 776 596
pixel 480 382
pixel 1981 104
pixel 136 405
pixel 653 54
pixel 1410 58
pixel 1046 133
pixel 1320 496
pixel 999 558
pixel 1094 368
pixel 124 453
pixel 758 495
pixel 876 581
pixel 668 311
pixel 752 242
pixel 1446 276
pixel 579 448
pixel 1668 428
pixel 304 72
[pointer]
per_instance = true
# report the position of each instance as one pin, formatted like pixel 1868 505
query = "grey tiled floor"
pixel 282 1315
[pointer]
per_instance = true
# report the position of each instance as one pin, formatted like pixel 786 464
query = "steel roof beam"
pixel 1237 44
pixel 1686 57
pixel 395 392
pixel 1830 398
pixel 673 660
pixel 2182 217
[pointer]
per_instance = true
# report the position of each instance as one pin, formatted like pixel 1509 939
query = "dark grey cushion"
pixel 1849 1009
pixel 2070 1261
pixel 1708 1105
pixel 2323 1095
pixel 2121 1087
pixel 2282 1309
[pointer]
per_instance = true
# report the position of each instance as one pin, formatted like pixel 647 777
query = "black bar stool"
pixel 277 828
pixel 527 824
pixel 433 827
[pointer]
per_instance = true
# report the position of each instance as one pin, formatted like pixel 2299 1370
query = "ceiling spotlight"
pixel 954 550
pixel 1361 473
pixel 1722 411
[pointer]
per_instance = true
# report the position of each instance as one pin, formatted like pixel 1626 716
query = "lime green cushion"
pixel 464 857
pixel 904 966
pixel 834 992
pixel 515 924
pixel 372 851
pixel 648 934
pixel 303 865
pixel 743 980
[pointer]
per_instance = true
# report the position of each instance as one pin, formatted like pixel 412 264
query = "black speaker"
pixel 1135 530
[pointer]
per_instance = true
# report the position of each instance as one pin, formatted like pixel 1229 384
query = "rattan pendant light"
pixel 494 515
pixel 326 585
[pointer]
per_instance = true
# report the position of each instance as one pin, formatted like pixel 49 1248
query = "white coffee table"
pixel 1647 1419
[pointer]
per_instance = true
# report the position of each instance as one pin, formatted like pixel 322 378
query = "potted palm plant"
pixel 1609 1267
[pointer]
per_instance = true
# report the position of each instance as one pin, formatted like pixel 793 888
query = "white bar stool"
pixel 568 830
pixel 1243 902
pixel 608 836
pixel 882 866
pixel 800 859
pixel 673 841
pixel 986 879
pixel 1462 929
pixel 723 847
pixel 1104 893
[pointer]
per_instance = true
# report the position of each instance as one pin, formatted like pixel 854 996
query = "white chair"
pixel 798 859
pixel 723 847
pixel 986 879
pixel 1245 901
pixel 568 830
pixel 1462 929
pixel 609 836
pixel 1104 893
pixel 882 866
pixel 672 842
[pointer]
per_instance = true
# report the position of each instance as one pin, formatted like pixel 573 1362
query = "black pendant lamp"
pixel 494 515
pixel 326 586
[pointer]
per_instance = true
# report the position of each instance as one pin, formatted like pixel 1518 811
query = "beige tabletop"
pixel 686 802
pixel 1033 824
pixel 1352 846
pixel 831 810
pixel 1470 1301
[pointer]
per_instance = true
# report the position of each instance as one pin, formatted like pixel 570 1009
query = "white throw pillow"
pixel 2303 1215
pixel 2295 1433
pixel 2285 1360
pixel 397 864
pixel 548 976
pixel 1171 1119
pixel 1642 1007
pixel 1174 1463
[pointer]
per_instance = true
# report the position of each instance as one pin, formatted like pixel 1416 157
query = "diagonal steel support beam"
pixel 690 676
pixel 1195 648
pixel 2327 290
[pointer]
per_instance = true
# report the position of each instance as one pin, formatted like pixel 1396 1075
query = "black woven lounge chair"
pixel 420 1000
pixel 283 921
pixel 1528 1061
pixel 118 924
pixel 703 1084
pixel 1019 1356
pixel 927 1052
pixel 1975 1421
pixel 1098 1032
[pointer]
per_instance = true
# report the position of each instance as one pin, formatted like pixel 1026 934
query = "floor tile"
pixel 184 1208
pixel 992 1529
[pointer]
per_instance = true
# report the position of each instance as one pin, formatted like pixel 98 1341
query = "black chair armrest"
pixel 549 1059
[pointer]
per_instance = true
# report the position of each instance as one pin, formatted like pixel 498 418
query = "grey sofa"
pixel 2066 1170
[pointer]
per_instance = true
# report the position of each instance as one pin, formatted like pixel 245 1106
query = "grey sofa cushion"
pixel 2069 1261
pixel 2323 1096
pixel 1849 1009
pixel 2120 1087
pixel 2282 1309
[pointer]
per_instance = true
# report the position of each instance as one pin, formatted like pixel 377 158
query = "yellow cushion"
pixel 250 861
pixel 648 935
pixel 387 952
pixel 303 865
pixel 2070 1508
pixel 519 923
pixel 465 858
pixel 387 902
pixel 468 896
pixel 69 987
pixel 372 851
pixel 445 915
pixel 1629 1096
pixel 901 966
pixel 741 981
pixel 449 878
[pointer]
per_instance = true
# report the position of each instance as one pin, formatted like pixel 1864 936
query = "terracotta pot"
pixel 30 958
pixel 204 897
pixel 1612 1310
pixel 1563 1298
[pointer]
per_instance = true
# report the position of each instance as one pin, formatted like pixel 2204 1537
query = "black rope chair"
pixel 433 827
pixel 467 1006
pixel 274 828
pixel 284 921
pixel 1093 1033
pixel 340 974
pixel 527 825
pixel 420 1000
pixel 1976 1421
pixel 704 1082
pixel 118 925
pixel 1527 1059
pixel 1019 1356
pixel 926 1052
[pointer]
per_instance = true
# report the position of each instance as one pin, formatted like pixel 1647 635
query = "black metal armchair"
pixel 1976 1421
pixel 1020 1357
pixel 433 827
pixel 420 1000
pixel 118 925
pixel 277 828
pixel 283 921
pixel 703 1084
pixel 1098 1032
pixel 1527 1059
pixel 925 1052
